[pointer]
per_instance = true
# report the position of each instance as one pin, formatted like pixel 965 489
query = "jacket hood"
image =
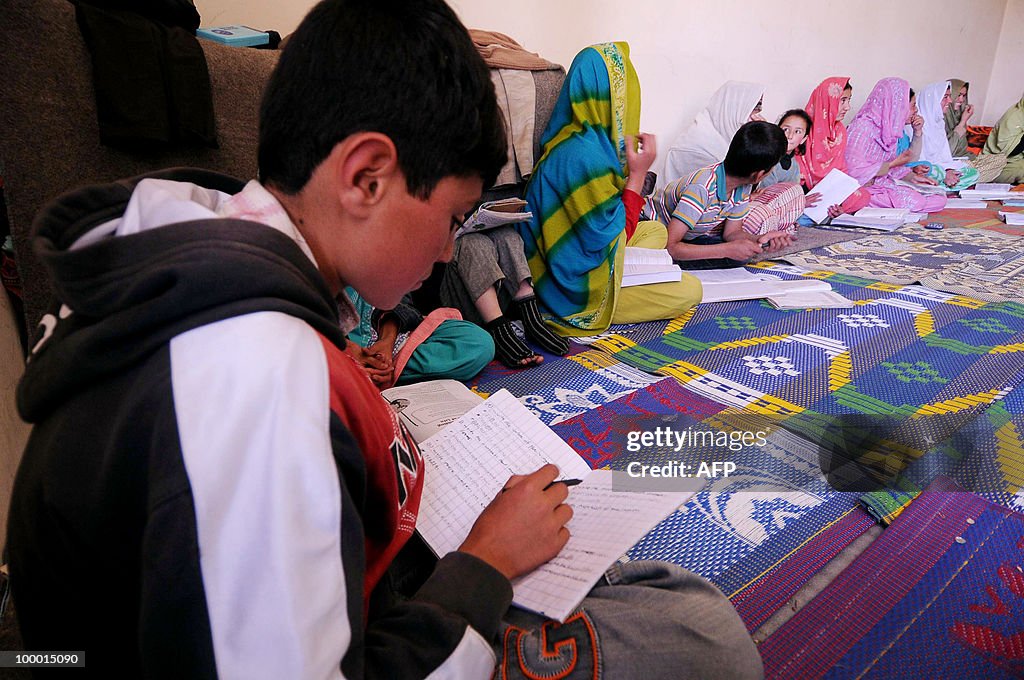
pixel 122 293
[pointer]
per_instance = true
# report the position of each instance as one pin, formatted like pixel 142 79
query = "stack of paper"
pixel 642 266
pixel 834 188
pixel 991 192
pixel 1016 218
pixel 965 203
pixel 884 219
pixel 723 285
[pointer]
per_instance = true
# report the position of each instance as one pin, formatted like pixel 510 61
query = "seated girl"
pixel 937 163
pixel 874 155
pixel 706 141
pixel 825 148
pixel 1007 139
pixel 796 125
pixel 956 116
pixel 585 198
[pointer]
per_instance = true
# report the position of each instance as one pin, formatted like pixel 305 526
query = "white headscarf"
pixel 935 147
pixel 707 139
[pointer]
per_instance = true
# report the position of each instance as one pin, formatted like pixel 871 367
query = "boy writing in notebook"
pixel 212 486
pixel 704 211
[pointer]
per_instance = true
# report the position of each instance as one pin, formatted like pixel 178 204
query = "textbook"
pixel 468 463
pixel 642 266
pixel 493 214
pixel 426 408
pixel 239 36
pixel 834 188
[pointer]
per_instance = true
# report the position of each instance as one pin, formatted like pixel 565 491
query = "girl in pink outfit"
pixel 874 155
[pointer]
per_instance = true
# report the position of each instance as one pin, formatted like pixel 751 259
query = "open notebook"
pixel 468 463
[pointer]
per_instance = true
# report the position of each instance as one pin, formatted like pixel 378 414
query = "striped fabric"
pixel 575 242
pixel 700 201
pixel 776 208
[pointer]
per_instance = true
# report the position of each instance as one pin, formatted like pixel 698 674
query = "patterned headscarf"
pixel 875 132
pixel 576 240
pixel 825 148
pixel 707 139
pixel 952 115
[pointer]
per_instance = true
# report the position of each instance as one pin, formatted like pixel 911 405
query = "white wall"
pixel 1006 85
pixel 684 50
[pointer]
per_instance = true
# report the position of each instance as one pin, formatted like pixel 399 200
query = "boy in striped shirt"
pixel 704 212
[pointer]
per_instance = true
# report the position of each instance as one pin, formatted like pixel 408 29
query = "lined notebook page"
pixel 605 524
pixel 469 462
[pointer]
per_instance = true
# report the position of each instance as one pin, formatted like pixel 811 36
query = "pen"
pixel 567 482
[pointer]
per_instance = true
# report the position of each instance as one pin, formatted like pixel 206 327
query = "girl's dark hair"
pixel 405 68
pixel 912 93
pixel 799 113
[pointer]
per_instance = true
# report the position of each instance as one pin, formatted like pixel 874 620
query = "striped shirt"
pixel 700 202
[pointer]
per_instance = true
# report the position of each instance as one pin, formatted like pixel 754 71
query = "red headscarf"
pixel 826 145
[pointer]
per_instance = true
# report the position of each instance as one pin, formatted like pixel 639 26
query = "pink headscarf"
pixel 876 130
pixel 826 145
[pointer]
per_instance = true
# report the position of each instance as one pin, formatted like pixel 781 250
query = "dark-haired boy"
pixel 212 486
pixel 704 211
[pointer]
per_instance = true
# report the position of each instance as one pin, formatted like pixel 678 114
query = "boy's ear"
pixel 365 169
pixel 758 176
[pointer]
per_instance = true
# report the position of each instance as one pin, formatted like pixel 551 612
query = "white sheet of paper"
pixel 605 524
pixel 834 188
pixel 468 463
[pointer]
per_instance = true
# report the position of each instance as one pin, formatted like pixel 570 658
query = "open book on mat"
pixel 724 285
pixel 468 463
pixel 642 266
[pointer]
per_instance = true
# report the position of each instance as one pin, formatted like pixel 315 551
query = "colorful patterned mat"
pixel 940 594
pixel 987 219
pixel 562 387
pixel 985 456
pixel 760 533
pixel 902 371
pixel 986 265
